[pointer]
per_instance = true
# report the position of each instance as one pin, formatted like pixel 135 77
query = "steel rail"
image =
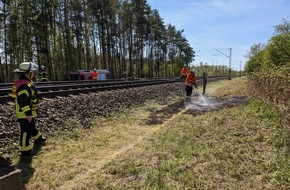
pixel 54 86
pixel 9 85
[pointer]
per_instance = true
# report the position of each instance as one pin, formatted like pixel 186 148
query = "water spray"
pixel 202 100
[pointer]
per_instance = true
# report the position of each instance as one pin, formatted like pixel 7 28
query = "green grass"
pixel 230 148
pixel 195 153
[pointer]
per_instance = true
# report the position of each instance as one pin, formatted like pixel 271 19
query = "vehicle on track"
pixel 104 74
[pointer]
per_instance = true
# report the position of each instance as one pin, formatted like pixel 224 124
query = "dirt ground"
pixel 198 105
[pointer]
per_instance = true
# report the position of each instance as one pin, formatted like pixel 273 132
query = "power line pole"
pixel 230 60
pixel 240 68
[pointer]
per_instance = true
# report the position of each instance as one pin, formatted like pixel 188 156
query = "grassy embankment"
pixel 230 148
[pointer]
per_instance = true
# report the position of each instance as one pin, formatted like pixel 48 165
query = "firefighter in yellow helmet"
pixel 25 94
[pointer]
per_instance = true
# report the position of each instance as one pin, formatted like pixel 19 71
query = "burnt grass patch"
pixel 159 116
pixel 216 103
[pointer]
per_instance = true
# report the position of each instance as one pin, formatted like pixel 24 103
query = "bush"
pixel 272 86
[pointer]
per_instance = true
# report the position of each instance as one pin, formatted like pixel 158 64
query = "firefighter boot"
pixel 26 153
pixel 188 99
pixel 40 140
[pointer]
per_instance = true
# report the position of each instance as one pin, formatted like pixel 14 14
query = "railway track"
pixel 65 88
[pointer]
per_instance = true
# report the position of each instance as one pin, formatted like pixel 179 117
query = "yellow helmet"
pixel 26 67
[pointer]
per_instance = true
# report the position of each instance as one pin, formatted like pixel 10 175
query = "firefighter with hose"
pixel 190 82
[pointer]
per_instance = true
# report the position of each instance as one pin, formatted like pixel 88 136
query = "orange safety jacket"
pixel 184 71
pixel 190 80
pixel 95 75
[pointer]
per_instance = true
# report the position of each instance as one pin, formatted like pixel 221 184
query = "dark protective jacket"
pixel 26 101
pixel 43 76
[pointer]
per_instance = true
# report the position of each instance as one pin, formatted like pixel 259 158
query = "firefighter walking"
pixel 26 101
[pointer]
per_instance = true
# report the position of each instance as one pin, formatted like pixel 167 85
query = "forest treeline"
pixel 127 37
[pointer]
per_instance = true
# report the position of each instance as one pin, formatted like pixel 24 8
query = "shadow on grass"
pixel 24 165
pixel 159 116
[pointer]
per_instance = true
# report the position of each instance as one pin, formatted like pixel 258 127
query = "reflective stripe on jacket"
pixel 43 76
pixel 26 102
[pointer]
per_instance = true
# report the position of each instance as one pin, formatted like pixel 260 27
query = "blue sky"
pixel 211 25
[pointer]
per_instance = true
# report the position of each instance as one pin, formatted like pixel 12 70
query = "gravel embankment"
pixel 65 113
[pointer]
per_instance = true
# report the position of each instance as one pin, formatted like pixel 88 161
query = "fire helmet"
pixel 26 67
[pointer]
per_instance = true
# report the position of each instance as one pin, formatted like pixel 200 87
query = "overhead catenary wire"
pixel 202 45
